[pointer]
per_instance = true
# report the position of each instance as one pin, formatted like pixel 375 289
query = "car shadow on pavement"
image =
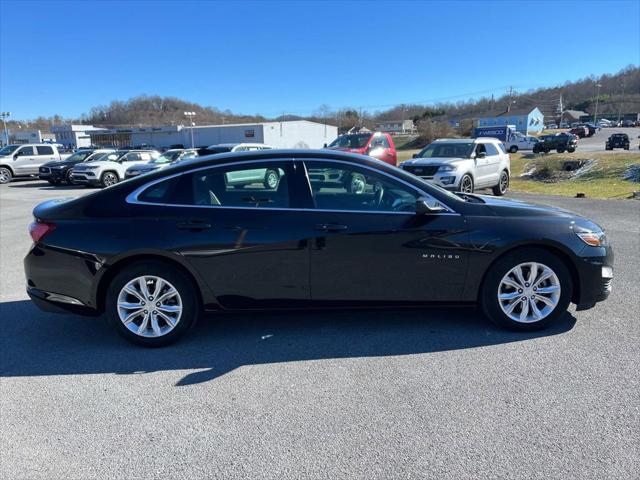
pixel 36 343
pixel 45 186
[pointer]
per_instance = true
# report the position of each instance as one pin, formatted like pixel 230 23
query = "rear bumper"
pixel 55 303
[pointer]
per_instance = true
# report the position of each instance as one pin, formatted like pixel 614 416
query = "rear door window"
pixel 44 150
pixel 248 185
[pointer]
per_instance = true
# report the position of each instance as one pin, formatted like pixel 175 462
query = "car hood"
pixel 58 163
pixel 85 165
pixel 506 207
pixel 434 161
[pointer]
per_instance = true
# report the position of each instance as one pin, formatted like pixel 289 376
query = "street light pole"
pixel 595 114
pixel 4 116
pixel 190 116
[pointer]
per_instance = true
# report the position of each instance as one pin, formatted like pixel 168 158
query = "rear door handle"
pixel 194 225
pixel 330 227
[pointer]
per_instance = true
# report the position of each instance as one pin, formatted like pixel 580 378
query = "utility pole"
pixel 510 99
pixel 595 114
pixel 621 103
pixel 560 111
pixel 4 116
pixel 191 116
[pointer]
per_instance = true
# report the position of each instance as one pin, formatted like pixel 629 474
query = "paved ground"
pixel 596 143
pixel 367 395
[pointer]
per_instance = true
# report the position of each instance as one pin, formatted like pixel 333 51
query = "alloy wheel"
pixel 272 180
pixel 109 179
pixel 149 306
pixel 466 185
pixel 529 292
pixel 504 182
pixel 5 175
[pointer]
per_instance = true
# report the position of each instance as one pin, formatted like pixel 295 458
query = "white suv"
pixel 110 168
pixel 463 164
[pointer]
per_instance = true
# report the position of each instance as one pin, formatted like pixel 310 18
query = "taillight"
pixel 39 230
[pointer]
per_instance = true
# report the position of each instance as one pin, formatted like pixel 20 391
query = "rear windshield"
pixel 447 150
pixel 355 140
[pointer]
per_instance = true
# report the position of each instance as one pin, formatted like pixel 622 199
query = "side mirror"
pixel 415 155
pixel 324 146
pixel 481 155
pixel 425 206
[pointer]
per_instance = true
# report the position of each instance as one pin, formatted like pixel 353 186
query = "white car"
pixel 110 168
pixel 463 164
pixel 234 147
pixel 169 157
pixel 23 160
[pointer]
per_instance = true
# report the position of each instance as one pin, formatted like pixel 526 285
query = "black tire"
pixel 182 283
pixel 489 290
pixel 560 150
pixel 271 179
pixel 503 184
pixel 69 179
pixel 513 149
pixel 571 150
pixel 466 184
pixel 109 178
pixel 6 175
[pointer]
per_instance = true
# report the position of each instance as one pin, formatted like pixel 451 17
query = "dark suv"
pixel 617 140
pixel 559 142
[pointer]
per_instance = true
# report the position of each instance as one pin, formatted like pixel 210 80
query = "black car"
pixel 152 253
pixel 617 140
pixel 60 171
pixel 560 142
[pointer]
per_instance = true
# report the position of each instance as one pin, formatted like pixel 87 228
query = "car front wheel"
pixel 513 149
pixel 526 290
pixel 152 304
pixel 5 175
pixel 466 184
pixel 109 178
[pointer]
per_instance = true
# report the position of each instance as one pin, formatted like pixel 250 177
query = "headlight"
pixel 593 239
pixel 447 168
pixel 90 167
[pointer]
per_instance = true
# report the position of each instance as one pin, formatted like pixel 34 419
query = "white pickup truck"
pixel 23 160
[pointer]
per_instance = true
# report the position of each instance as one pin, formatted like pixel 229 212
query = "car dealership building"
pixel 286 134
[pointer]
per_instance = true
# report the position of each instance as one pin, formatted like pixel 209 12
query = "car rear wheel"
pixel 571 150
pixel 466 184
pixel 6 175
pixel 109 178
pixel 152 304
pixel 526 290
pixel 503 184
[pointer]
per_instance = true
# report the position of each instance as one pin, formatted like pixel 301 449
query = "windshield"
pixel 356 140
pixel 447 150
pixel 79 156
pixel 9 149
pixel 167 157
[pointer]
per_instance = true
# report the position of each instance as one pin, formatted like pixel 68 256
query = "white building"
pixel 287 134
pixel 396 126
pixel 74 136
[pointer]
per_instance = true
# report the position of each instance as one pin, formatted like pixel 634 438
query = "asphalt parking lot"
pixel 373 394
pixel 596 143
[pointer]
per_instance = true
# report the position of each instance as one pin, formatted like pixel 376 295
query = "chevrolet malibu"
pixel 156 251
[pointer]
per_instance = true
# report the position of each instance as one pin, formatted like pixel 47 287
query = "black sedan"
pixel 336 229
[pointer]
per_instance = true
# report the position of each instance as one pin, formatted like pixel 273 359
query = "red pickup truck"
pixel 377 145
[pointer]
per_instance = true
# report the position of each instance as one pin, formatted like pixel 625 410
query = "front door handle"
pixel 330 227
pixel 194 225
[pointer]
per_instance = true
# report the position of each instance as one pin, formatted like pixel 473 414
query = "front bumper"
pixel 53 174
pixel 595 277
pixel 448 180
pixel 85 178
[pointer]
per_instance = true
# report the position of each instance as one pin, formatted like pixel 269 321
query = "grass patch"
pixel 603 179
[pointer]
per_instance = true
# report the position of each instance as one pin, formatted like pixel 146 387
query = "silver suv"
pixel 463 164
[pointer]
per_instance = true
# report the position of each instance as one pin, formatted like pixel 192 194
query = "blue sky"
pixel 269 58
